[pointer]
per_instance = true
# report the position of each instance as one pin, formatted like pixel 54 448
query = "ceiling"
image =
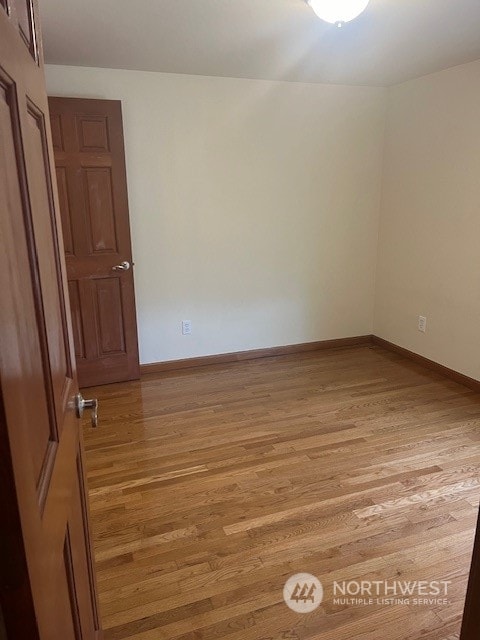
pixel 393 41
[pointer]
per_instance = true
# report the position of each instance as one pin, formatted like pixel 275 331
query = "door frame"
pixel 471 613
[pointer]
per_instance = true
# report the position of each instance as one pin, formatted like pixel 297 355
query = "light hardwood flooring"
pixel 210 487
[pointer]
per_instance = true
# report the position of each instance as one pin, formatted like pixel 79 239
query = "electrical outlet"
pixel 422 324
pixel 186 327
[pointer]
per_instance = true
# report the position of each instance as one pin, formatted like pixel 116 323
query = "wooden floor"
pixel 210 487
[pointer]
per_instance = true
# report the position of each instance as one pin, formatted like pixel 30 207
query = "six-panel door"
pixel 90 166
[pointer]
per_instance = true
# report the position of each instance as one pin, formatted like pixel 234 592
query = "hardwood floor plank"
pixel 210 487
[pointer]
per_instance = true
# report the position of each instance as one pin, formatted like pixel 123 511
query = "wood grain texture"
pixel 210 487
pixel 46 581
pixel 90 166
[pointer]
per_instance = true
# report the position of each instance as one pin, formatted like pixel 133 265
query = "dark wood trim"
pixel 471 612
pixel 441 369
pixel 224 358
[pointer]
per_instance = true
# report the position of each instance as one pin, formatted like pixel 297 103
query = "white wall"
pixel 254 206
pixel 429 245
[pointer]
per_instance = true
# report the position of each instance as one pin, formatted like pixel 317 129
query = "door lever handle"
pixel 81 404
pixel 123 266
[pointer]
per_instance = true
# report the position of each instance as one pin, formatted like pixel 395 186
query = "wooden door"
pixel 92 186
pixel 47 582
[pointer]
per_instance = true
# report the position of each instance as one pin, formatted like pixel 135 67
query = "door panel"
pixel 90 164
pixel 77 324
pixel 99 209
pixel 57 134
pixel 49 591
pixel 41 430
pixel 45 234
pixel 77 535
pixel 108 298
pixel 92 133
pixel 62 187
pixel 25 18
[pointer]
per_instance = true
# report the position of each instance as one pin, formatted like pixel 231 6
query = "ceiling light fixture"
pixel 338 11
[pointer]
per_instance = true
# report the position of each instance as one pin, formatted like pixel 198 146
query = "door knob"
pixel 123 266
pixel 81 404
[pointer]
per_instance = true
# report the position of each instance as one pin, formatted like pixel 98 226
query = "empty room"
pixel 240 319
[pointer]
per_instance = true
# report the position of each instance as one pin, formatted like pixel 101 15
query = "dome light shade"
pixel 338 11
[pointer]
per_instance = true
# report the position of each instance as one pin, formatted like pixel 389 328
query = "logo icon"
pixel 303 592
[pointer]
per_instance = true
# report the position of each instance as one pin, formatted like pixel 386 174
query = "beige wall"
pixel 254 206
pixel 429 243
